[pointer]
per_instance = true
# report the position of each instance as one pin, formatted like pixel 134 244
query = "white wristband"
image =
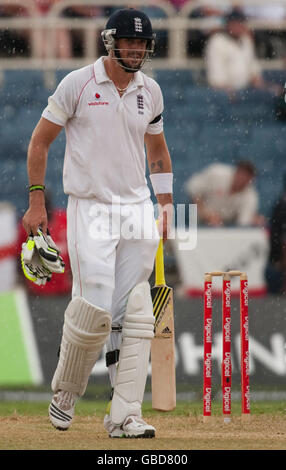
pixel 162 183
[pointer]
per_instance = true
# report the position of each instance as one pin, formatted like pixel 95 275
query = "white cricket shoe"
pixel 61 409
pixel 133 427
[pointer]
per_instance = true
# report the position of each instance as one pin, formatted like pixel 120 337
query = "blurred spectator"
pixel 231 62
pixel 60 284
pixel 275 273
pixel 225 195
pixel 42 38
pixel 14 42
pixel 77 35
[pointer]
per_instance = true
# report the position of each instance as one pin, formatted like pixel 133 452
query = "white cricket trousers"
pixel 112 248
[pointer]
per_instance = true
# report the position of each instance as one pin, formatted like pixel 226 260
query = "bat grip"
pixel 159 265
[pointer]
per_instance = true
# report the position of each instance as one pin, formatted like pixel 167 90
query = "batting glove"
pixel 49 253
pixel 32 266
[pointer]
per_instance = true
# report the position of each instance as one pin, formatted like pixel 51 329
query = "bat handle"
pixel 159 265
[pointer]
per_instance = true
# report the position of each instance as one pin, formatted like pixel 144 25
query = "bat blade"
pixel 163 350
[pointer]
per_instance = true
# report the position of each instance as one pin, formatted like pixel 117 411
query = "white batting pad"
pixel 86 328
pixel 137 332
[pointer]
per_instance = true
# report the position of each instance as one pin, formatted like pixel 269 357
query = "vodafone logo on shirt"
pixel 98 102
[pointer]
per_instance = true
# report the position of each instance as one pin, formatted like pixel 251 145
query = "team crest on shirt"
pixel 140 104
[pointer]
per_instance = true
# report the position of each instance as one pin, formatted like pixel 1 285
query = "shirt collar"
pixel 101 75
pixel 100 72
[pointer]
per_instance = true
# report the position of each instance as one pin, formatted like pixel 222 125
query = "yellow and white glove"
pixel 32 266
pixel 40 258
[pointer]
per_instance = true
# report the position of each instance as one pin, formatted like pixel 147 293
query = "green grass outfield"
pixel 89 408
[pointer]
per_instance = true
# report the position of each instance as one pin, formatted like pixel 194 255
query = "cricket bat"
pixel 163 378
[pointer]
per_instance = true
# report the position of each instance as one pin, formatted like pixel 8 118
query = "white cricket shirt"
pixel 105 155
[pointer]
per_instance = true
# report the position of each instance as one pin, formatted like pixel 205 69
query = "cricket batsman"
pixel 111 111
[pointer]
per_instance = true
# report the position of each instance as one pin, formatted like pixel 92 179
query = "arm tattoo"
pixel 157 166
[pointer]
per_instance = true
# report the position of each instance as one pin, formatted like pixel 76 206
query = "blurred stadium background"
pixel 201 126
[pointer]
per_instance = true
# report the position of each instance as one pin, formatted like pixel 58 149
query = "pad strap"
pixel 137 332
pixel 112 357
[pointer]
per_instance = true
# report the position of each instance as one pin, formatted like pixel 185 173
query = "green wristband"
pixel 36 187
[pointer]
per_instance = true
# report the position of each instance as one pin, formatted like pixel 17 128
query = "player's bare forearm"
pixel 159 161
pixel 37 162
pixel 43 135
pixel 36 167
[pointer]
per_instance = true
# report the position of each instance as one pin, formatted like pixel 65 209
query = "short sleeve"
pixel 156 124
pixel 62 104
